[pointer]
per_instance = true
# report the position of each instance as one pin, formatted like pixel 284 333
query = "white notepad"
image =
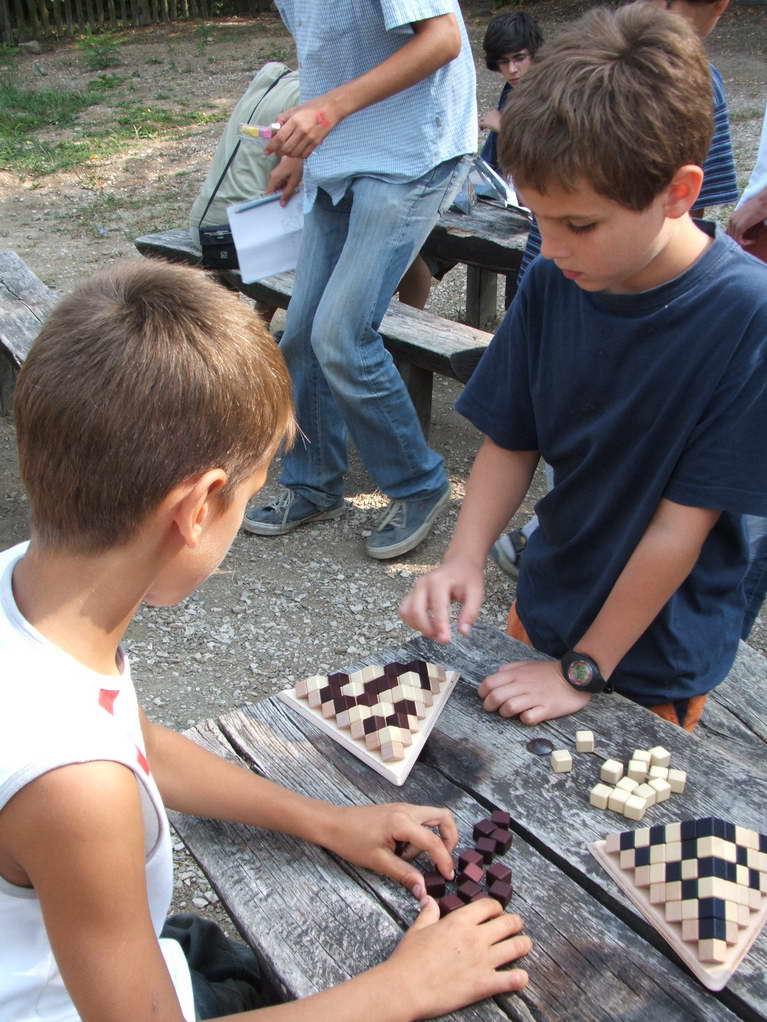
pixel 267 236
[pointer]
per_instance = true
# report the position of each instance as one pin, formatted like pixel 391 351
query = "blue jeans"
pixel 352 258
pixel 755 582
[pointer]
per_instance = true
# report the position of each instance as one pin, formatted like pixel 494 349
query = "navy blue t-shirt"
pixel 633 398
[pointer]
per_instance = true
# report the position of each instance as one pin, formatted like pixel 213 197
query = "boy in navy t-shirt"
pixel 633 362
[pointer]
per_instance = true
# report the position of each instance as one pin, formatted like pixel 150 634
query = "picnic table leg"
pixel 481 297
pixel 419 384
pixel 8 371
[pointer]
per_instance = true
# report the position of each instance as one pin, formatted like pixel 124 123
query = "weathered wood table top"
pixel 316 920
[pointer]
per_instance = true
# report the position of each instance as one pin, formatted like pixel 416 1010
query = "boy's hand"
pixel 532 690
pixel 285 178
pixel 304 127
pixel 427 606
pixel 368 835
pixel 490 121
pixel 443 965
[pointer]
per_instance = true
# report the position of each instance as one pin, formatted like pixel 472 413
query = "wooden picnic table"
pixel 489 240
pixel 315 920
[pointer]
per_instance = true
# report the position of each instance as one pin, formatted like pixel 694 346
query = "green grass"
pixel 25 112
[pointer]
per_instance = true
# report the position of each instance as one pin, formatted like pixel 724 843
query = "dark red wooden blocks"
pixel 498 872
pixel 467 856
pixel 449 904
pixel 467 891
pixel 486 848
pixel 502 839
pixel 500 891
pixel 435 884
pixel 473 871
pixel 501 819
pixel 483 829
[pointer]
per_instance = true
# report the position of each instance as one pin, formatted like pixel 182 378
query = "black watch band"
pixel 582 672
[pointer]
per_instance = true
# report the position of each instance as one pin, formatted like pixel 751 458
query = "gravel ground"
pixel 309 602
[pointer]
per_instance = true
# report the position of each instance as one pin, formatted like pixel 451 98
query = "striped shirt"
pixel 719 186
pixel 400 138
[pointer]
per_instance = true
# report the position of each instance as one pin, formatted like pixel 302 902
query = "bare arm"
pixel 753 211
pixel 662 560
pixel 93 895
pixel 498 482
pixel 193 780
pixel 436 41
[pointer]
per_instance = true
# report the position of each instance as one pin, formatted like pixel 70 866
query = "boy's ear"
pixel 196 504
pixel 683 191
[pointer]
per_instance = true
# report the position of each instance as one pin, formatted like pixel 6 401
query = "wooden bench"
pixel 24 304
pixel 421 343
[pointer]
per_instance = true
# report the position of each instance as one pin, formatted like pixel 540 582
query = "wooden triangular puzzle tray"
pixel 382 714
pixel 701 883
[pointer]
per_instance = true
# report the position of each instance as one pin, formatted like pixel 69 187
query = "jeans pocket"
pixel 456 181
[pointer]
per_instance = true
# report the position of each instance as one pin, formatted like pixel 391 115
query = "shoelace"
pixel 284 500
pixel 395 515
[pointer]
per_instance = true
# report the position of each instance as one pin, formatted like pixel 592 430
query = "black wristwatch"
pixel 582 672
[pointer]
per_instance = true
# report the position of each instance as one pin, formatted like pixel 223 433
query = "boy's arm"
pixel 497 484
pixel 435 42
pixel 662 560
pixel 77 834
pixel 195 781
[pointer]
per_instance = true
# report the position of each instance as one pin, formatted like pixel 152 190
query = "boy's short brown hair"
pixel 146 375
pixel 620 99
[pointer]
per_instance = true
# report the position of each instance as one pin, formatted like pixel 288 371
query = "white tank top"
pixel 55 712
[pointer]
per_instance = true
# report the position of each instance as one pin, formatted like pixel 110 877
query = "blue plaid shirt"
pixel 402 137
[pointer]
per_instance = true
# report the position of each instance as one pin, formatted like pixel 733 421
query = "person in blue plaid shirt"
pixel 382 138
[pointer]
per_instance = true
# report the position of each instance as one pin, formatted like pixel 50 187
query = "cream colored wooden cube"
pixel 561 761
pixel 637 770
pixel 611 772
pixel 662 789
pixel 647 793
pixel 642 755
pixel 635 808
pixel 658 771
pixel 678 780
pixel 660 756
pixel 599 796
pixel 627 784
pixel 584 741
pixel 617 800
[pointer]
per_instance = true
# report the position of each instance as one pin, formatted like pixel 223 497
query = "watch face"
pixel 580 672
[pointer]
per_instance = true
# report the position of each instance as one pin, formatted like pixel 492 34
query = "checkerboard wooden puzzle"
pixel 701 883
pixel 382 714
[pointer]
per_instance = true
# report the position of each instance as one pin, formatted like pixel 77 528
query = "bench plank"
pixel 25 302
pixel 586 963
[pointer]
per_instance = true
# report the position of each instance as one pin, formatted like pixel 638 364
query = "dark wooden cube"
pixel 502 840
pixel 449 904
pixel 483 829
pixel 486 848
pixel 467 856
pixel 501 819
pixel 435 884
pixel 472 871
pixel 500 891
pixel 498 872
pixel 467 890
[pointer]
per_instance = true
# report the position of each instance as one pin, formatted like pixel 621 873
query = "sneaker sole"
pixel 498 556
pixel 269 529
pixel 412 541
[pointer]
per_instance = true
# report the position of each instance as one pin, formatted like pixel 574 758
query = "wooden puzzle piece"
pixel 692 880
pixel 382 714
pixel 561 761
pixel 584 741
